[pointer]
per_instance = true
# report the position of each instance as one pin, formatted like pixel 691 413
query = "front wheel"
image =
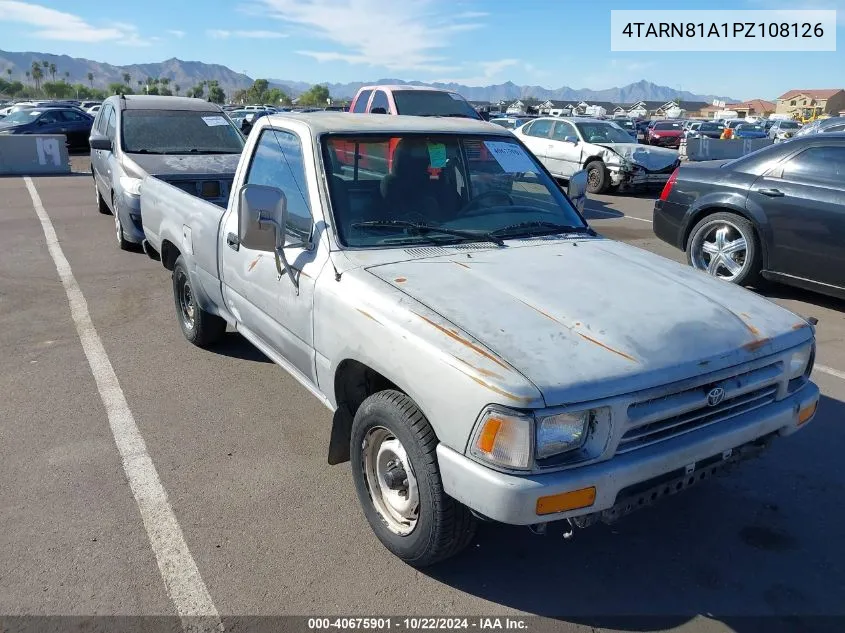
pixel 598 179
pixel 200 327
pixel 725 246
pixel 394 467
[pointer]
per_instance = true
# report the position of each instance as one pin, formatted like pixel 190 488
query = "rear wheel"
pixel 598 179
pixel 200 327
pixel 394 467
pixel 725 245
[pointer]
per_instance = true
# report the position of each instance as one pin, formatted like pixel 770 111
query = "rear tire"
pixel 736 236
pixel 598 179
pixel 425 526
pixel 201 328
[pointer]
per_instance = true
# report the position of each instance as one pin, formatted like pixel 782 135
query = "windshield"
pixel 711 127
pixel 432 103
pixel 788 125
pixel 750 128
pixel 600 132
pixel 179 132
pixel 508 123
pixel 22 116
pixel 452 182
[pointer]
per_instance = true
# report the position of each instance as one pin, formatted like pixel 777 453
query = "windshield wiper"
pixel 423 228
pixel 205 151
pixel 541 227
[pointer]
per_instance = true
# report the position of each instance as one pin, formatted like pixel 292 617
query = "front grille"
pixel 658 419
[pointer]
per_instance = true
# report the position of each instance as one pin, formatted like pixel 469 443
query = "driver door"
pixel 564 155
pixel 269 307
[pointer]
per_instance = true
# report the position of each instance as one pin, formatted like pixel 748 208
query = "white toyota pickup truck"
pixel 485 353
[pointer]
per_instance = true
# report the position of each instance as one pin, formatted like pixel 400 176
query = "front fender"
pixel 450 376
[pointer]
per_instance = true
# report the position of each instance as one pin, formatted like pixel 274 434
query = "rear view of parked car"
pixel 187 142
pixel 776 214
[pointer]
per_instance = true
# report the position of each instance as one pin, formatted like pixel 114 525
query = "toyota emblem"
pixel 715 396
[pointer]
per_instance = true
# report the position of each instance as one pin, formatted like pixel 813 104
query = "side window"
pixel 111 125
pixel 279 162
pixel 562 130
pixel 50 117
pixel 361 101
pixel 380 101
pixel 70 115
pixel 540 128
pixel 821 165
pixel 103 118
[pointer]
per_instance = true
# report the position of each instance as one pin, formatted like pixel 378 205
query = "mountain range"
pixel 188 73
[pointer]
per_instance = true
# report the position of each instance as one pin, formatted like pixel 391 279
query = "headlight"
pixel 799 362
pixel 503 438
pixel 655 135
pixel 563 432
pixel 132 186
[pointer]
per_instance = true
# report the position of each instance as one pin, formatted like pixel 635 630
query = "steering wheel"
pixel 490 193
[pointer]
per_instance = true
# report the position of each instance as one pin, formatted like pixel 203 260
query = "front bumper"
pixel 513 498
pixel 129 212
pixel 639 176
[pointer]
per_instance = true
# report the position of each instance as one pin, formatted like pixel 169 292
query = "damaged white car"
pixel 601 148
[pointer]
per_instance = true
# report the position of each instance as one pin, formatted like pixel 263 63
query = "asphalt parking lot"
pixel 240 449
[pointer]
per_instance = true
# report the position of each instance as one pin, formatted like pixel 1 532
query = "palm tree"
pixel 37 74
pixel 67 76
pixel 27 76
pixel 9 72
pixel 140 83
pixel 177 88
pixel 45 64
pixel 127 78
pixel 91 80
pixel 53 72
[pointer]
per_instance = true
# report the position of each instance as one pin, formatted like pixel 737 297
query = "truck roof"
pixel 158 102
pixel 339 122
pixel 395 87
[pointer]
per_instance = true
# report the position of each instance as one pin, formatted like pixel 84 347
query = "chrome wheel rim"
pixel 390 480
pixel 187 308
pixel 721 250
pixel 593 177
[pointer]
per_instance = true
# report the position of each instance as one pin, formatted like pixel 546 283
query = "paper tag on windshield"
pixel 213 121
pixel 437 154
pixel 510 156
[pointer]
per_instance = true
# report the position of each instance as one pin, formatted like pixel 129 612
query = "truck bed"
pixel 173 217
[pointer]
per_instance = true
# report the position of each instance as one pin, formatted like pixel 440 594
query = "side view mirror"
pixel 576 189
pixel 262 218
pixel 571 139
pixel 98 141
pixel 378 111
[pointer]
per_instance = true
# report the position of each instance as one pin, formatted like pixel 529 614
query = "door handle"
pixel 233 241
pixel 772 193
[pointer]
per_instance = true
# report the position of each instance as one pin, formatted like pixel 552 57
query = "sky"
pixel 551 43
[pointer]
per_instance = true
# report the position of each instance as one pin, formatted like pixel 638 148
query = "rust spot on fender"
pixel 756 344
pixel 607 347
pixel 480 370
pixel 455 336
pixel 400 280
pixel 254 263
pixel 369 316
pixel 487 385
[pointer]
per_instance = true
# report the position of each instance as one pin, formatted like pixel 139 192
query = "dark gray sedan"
pixel 778 213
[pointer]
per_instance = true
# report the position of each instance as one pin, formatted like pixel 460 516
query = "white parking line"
pixel 614 214
pixel 178 570
pixel 830 370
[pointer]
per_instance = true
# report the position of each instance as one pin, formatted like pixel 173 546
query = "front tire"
pixel 598 179
pixel 725 245
pixel 201 328
pixel 394 467
pixel 102 207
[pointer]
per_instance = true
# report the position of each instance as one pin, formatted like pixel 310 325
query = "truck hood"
pixel 180 164
pixel 647 156
pixel 592 318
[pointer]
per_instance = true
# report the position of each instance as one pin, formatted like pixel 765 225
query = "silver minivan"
pixel 189 143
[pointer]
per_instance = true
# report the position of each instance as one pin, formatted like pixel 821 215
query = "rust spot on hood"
pixel 457 337
pixel 607 347
pixel 544 313
pixel 400 280
pixel 254 262
pixel 480 370
pixel 800 326
pixel 756 344
pixel 487 385
pixel 460 264
pixel 369 316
